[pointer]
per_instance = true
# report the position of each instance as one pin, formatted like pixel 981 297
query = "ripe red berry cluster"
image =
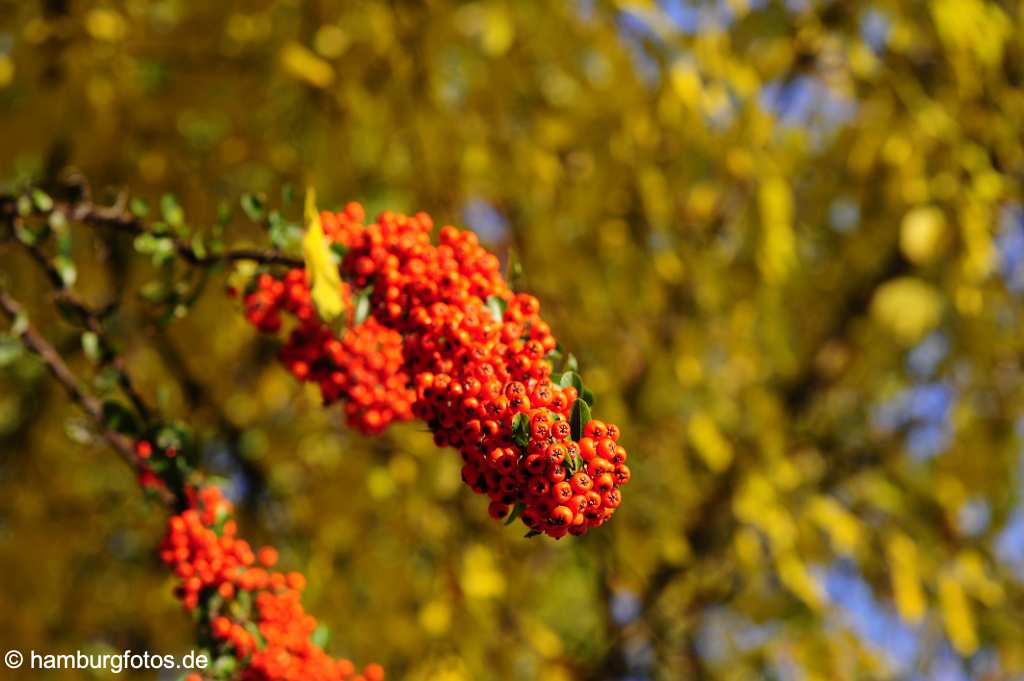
pixel 362 366
pixel 461 351
pixel 253 612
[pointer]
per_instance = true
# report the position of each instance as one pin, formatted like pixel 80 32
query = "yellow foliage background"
pixel 782 239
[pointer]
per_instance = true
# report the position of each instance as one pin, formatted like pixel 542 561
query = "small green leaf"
pixel 571 378
pixel 321 635
pixel 516 511
pixel 144 243
pixel 172 211
pixel 570 363
pixel 256 633
pixel 24 206
pixel 254 206
pixel 91 346
pixel 531 533
pixel 10 350
pixel 497 306
pixel 243 604
pixel 579 417
pixel 224 667
pixel 26 235
pixel 42 200
pixel 555 357
pixel 153 291
pixel 521 429
pixel 198 246
pixel 362 309
pixel 139 207
pixel 284 235
pixel 215 603
pixel 340 250
pixel 514 269
pixel 57 221
pixel 106 379
pixel 172 436
pixel 20 324
pixel 63 241
pixel 572 463
pixel 160 247
pixel 78 431
pixel 66 269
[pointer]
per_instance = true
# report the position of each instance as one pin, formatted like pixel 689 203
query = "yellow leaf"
pixel 490 23
pixel 688 370
pixel 306 66
pixel 6 70
pixel 542 639
pixel 957 615
pixel 747 545
pixel 794 576
pixel 973 26
pixel 380 483
pixel 331 41
pixel 321 270
pixel 908 307
pixel 655 195
pixel 480 576
pixel 975 220
pixel 842 526
pixel 709 442
pixel 975 577
pixel 686 83
pixel 435 617
pixel 702 201
pixel 105 24
pixel 668 266
pixel 499 32
pixel 923 235
pixel 778 245
pixel 906 578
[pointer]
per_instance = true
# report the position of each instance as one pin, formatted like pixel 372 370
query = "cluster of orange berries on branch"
pixel 361 366
pixel 253 613
pixel 435 332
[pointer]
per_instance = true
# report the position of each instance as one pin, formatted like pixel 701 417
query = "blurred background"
pixel 785 240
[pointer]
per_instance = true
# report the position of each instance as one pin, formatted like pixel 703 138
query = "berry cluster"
pixel 252 612
pixel 447 341
pixel 362 366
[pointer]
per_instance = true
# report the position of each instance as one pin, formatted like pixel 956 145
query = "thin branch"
pixel 34 342
pixel 92 318
pixel 120 219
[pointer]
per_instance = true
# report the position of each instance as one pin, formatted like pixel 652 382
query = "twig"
pixel 34 342
pixel 92 318
pixel 118 218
